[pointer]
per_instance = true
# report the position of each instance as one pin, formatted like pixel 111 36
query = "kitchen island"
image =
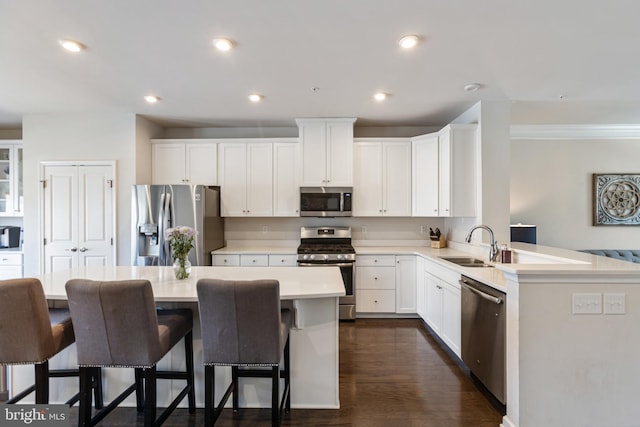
pixel 314 293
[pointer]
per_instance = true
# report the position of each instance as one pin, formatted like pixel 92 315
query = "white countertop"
pixel 528 260
pixel 295 283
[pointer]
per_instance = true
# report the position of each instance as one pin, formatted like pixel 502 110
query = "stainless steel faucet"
pixel 493 249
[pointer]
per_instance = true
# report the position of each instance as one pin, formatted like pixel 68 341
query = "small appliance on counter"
pixel 9 236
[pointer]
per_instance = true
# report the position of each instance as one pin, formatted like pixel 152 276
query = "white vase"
pixel 181 267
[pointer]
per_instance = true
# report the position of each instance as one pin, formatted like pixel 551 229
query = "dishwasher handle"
pixel 480 293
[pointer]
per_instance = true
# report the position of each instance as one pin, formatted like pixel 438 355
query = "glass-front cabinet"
pixel 11 196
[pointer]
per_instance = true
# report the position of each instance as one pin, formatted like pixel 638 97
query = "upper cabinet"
pixel 382 178
pixel 327 152
pixel 184 162
pixel 11 196
pixel 246 178
pixel 444 165
pixel 286 179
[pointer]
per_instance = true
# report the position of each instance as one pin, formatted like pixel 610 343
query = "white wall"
pixel 62 137
pixel 551 187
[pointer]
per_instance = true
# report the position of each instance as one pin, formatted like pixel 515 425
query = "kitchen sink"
pixel 466 261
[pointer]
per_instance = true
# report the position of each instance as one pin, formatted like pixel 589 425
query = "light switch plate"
pixel 614 304
pixel 587 304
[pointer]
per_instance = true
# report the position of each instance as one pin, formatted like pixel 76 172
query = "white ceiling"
pixel 527 52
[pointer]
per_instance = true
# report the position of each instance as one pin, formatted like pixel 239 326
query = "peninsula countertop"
pixel 295 283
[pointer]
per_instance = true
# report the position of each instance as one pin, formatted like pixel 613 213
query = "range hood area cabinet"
pixel 444 172
pixel 327 152
pixel 175 161
pixel 382 177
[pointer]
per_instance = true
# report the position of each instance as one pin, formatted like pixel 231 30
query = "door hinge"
pixel 44 241
pixel 112 241
pixel 110 182
pixel 44 183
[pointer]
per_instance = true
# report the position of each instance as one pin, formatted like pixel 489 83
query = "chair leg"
pixel 84 412
pixel 234 384
pixel 97 388
pixel 139 380
pixel 42 382
pixel 188 350
pixel 275 396
pixel 287 377
pixel 149 396
pixel 209 393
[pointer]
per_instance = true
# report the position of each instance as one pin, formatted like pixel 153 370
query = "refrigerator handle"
pixel 165 250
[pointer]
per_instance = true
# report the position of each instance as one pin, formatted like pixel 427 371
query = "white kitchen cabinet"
pixel 11 200
pixel 179 162
pixel 406 284
pixel 246 178
pixel 283 260
pixel 10 265
pixel 254 260
pixel 444 179
pixel 375 284
pixel 382 178
pixel 421 288
pixel 227 260
pixel 286 179
pixel 443 307
pixel 327 152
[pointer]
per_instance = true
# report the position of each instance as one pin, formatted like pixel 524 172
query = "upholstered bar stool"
pixel 31 334
pixel 243 327
pixel 117 325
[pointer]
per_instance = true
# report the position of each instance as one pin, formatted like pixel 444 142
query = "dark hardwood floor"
pixel 392 373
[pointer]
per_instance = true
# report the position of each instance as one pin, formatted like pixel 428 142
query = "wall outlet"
pixel 423 229
pixel 587 304
pixel 363 229
pixel 265 228
pixel 614 304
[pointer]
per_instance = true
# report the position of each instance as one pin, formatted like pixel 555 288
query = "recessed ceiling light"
pixel 151 99
pixel 408 41
pixel 380 96
pixel 255 97
pixel 72 45
pixel 222 44
pixel 472 87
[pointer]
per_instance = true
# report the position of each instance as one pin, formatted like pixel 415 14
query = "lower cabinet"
pixel 386 284
pixel 441 306
pixel 254 260
pixel 10 266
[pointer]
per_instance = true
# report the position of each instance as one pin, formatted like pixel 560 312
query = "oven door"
pixel 347 270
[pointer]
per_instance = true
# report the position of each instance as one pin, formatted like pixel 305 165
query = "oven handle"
pixel 310 264
pixel 480 293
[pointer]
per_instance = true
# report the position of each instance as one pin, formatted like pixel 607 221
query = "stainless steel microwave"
pixel 325 201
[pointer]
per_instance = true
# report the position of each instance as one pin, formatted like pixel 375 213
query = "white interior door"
pixel 78 216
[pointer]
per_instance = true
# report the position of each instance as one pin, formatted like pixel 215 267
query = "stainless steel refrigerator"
pixel 156 208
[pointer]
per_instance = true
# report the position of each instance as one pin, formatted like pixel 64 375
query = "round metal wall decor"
pixel 616 199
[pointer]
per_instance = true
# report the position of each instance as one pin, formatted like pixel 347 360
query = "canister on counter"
pixel 505 255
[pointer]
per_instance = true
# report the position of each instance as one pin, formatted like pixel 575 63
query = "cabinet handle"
pixel 375 278
pixel 225 261
pixel 380 210
pixel 83 249
pixel 375 260
pixel 74 249
pixel 253 260
pixel 375 300
pixel 281 260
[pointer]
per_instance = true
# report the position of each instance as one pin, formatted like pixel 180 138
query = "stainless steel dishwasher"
pixel 483 334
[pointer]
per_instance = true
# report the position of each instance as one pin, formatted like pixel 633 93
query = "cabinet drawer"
pixel 10 272
pixel 376 260
pixel 375 301
pixel 283 260
pixel 254 260
pixel 376 278
pixel 226 260
pixel 10 259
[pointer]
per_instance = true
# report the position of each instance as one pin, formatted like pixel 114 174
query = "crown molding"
pixel 575 132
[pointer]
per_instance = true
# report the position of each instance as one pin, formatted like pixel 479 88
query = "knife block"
pixel 439 244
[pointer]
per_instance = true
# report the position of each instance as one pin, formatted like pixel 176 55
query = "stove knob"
pixel 326 257
pixel 340 256
pixel 304 257
pixel 312 256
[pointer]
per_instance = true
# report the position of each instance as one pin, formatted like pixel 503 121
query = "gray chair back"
pixel 115 323
pixel 240 322
pixel 26 333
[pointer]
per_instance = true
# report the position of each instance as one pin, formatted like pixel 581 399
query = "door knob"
pixel 83 249
pixel 74 249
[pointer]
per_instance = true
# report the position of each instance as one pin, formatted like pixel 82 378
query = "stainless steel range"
pixel 331 247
